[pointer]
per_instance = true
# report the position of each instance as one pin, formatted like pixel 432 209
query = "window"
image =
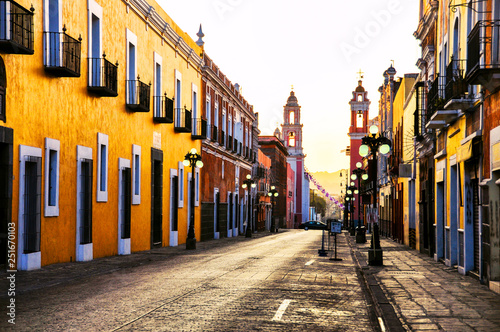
pixel 136 174
pixel 52 149
pixel 3 86
pixel 102 167
pixel 196 127
pixel 95 42
pixel 157 85
pixel 208 114
pixel 197 187
pixel 360 98
pixel 52 25
pixel 291 139
pixel 131 68
pixel 30 173
pixel 178 98
pixel 181 185
pixel 359 121
pixel 292 117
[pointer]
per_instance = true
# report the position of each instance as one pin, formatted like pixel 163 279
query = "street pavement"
pixel 426 295
pixel 273 282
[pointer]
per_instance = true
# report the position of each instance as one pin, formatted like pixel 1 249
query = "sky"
pixel 318 46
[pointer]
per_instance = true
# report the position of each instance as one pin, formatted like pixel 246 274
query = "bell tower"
pixel 292 137
pixel 360 105
pixel 292 129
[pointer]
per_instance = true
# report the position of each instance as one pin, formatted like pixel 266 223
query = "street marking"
pixel 310 262
pixel 281 310
pixel 381 323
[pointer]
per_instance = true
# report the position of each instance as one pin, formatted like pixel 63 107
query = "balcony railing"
pixel 182 120
pixel 435 97
pixel 483 54
pixel 456 86
pixel 138 95
pixel 16 28
pixel 419 114
pixel 215 133
pixel 62 54
pixel 199 129
pixel 163 109
pixel 103 77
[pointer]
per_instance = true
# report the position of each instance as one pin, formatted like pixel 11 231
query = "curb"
pixel 383 308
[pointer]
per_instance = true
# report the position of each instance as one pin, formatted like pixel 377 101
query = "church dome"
pixel 360 88
pixel 391 70
pixel 292 100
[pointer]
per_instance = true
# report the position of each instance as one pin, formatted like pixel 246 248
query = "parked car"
pixel 312 224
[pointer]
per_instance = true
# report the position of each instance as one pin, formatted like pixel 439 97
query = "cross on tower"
pixel 360 74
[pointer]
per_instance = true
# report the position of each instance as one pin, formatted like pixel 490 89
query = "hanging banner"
pixel 321 189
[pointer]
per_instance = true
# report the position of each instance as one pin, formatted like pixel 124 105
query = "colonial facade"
pixel 91 154
pixel 229 153
pixel 292 137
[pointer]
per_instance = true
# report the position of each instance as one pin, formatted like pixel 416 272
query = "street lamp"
pixel 193 159
pixel 351 191
pixel 249 183
pixel 359 174
pixel 371 144
pixel 273 193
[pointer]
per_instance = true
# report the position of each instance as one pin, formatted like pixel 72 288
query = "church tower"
pixel 292 137
pixel 360 105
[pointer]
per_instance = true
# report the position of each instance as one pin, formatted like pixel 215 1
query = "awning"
pixel 464 152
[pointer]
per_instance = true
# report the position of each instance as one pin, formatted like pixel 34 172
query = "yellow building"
pixel 99 101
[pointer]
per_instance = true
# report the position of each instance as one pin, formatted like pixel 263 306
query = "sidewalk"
pixel 426 295
pixel 56 274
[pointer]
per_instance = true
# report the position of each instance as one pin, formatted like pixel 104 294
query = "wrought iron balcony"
pixel 182 123
pixel 103 77
pixel 419 114
pixel 483 55
pixel 62 54
pixel 163 109
pixel 215 134
pixel 16 28
pixel 138 95
pixel 456 86
pixel 199 129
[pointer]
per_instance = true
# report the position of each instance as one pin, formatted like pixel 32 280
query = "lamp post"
pixel 249 183
pixel 351 191
pixel 273 193
pixel 193 159
pixel 349 199
pixel 359 174
pixel 371 144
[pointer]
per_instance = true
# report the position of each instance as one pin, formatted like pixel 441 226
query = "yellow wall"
pixel 39 106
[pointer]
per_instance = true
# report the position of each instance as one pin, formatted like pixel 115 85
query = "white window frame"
pixel 102 195
pixel 84 252
pixel 51 145
pixel 94 9
pixel 181 184
pixel 123 244
pixel 30 261
pixel 136 172
pixel 173 235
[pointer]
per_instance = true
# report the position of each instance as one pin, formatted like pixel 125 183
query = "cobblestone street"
pixel 272 283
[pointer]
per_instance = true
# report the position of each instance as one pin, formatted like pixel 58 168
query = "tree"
pixel 318 202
